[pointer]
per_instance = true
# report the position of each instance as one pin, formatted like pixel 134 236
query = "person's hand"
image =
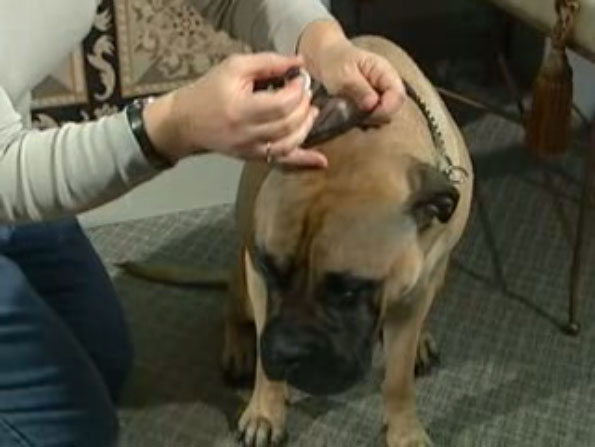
pixel 369 79
pixel 220 112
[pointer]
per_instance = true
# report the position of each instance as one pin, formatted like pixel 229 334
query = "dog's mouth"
pixel 316 373
pixel 319 380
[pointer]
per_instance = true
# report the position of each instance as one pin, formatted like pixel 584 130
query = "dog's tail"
pixel 176 275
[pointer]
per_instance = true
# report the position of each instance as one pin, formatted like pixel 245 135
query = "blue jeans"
pixel 65 348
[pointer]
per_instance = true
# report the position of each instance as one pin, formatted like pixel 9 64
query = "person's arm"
pixel 62 171
pixel 307 28
pixel 264 24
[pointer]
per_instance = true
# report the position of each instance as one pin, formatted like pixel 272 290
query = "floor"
pixel 508 376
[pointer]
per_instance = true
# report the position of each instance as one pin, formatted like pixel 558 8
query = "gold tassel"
pixel 548 126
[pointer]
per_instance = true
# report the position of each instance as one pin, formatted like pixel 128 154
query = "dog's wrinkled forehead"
pixel 281 213
pixel 376 232
pixel 333 233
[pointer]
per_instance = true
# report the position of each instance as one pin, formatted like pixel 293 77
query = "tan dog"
pixel 331 260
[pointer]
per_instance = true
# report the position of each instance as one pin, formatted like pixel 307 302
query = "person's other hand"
pixel 220 112
pixel 369 79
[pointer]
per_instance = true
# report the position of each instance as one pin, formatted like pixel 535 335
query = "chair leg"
pixel 513 89
pixel 480 105
pixel 587 199
pixel 581 241
pixel 572 326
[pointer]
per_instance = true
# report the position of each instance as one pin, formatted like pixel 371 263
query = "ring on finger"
pixel 269 156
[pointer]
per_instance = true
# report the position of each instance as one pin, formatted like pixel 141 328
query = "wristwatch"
pixel 134 113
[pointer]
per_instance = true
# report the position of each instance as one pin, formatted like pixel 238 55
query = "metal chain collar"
pixel 456 174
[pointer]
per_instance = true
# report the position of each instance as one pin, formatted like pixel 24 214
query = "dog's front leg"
pixel 263 422
pixel 403 426
pixel 402 328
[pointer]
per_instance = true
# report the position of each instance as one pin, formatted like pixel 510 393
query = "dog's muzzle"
pixel 307 358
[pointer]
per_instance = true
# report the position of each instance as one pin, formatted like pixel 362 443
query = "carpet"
pixel 508 376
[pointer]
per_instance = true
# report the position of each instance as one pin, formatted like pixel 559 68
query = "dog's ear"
pixel 338 114
pixel 434 196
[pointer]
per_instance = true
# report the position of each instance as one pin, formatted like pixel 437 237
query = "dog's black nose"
pixel 284 344
pixel 304 355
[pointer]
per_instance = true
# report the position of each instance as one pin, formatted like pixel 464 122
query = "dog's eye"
pixel 347 289
pixel 265 264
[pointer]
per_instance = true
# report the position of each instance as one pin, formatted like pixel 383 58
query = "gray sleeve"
pixel 62 171
pixel 264 24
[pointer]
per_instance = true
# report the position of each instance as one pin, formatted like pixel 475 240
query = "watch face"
pixel 141 102
pixel 148 100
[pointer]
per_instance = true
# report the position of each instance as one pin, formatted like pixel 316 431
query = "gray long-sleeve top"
pixel 61 171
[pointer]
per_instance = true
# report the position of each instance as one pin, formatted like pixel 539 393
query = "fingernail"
pixel 323 162
pixel 306 79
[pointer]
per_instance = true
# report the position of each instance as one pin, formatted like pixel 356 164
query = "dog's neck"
pixel 456 174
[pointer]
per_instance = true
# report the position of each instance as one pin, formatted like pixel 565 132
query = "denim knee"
pixel 14 283
pixel 50 393
pixel 104 433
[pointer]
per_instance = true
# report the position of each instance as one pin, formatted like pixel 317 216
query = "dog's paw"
pixel 258 428
pixel 238 357
pixel 407 432
pixel 427 354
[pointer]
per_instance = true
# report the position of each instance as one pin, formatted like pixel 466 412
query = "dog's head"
pixel 336 249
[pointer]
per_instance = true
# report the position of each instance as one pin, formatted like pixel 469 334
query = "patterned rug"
pixel 135 48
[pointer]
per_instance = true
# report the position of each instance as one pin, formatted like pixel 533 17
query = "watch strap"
pixel 134 113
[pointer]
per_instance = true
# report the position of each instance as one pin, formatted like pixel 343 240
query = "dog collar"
pixel 456 174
